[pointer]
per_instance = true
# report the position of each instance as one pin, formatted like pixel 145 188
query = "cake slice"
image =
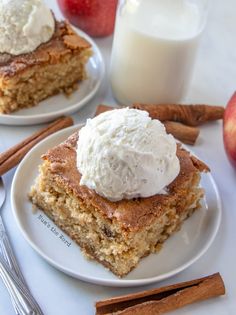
pixel 116 234
pixel 55 66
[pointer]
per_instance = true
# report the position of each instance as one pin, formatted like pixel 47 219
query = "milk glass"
pixel 154 49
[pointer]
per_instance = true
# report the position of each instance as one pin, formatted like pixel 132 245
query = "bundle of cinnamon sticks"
pixel 180 120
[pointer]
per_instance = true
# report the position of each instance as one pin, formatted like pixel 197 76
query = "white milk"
pixel 154 50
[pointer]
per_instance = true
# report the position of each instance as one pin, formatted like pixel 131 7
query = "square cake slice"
pixel 116 234
pixel 55 66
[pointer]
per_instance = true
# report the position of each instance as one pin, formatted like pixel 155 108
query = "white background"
pixel 213 83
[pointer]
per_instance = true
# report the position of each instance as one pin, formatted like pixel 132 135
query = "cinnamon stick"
pixel 14 155
pixel 185 134
pixel 165 299
pixel 192 115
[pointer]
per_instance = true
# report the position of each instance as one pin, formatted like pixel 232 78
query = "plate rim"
pixel 14 120
pixel 111 282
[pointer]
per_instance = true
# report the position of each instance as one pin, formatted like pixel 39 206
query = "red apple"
pixel 230 130
pixel 95 17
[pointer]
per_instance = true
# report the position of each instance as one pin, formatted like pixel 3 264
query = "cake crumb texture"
pixel 116 234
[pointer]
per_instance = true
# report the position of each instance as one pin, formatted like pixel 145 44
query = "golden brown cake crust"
pixel 132 214
pixel 63 41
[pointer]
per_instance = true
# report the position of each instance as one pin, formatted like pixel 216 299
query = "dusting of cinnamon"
pixel 74 41
pixel 202 166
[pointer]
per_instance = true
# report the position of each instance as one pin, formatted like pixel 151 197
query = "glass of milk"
pixel 154 49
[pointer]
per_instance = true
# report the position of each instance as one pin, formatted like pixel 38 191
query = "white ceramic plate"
pixel 58 105
pixel 179 251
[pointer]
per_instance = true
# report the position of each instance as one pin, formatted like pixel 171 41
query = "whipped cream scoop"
pixel 24 25
pixel 124 154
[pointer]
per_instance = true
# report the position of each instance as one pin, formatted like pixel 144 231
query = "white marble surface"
pixel 213 82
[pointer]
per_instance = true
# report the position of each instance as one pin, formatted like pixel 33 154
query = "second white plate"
pixel 180 251
pixel 58 105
